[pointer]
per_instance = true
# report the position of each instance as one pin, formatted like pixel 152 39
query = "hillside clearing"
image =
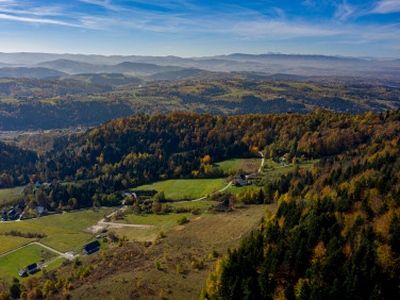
pixel 179 189
pixel 6 194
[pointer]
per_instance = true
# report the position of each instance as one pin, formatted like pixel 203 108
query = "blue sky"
pixel 201 28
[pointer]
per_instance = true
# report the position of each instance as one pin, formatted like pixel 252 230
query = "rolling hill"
pixel 35 72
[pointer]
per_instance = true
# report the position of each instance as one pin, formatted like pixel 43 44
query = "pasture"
pixel 64 232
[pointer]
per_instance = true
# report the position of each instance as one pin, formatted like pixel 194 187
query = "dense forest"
pixel 46 104
pixel 336 232
pixel 15 165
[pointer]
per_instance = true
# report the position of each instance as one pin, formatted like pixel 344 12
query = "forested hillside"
pixel 130 151
pixel 92 99
pixel 15 165
pixel 336 233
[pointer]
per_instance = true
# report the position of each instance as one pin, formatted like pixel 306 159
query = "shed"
pixel 22 273
pixel 91 247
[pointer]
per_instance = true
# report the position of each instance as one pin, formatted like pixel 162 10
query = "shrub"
pixel 158 265
pixel 178 268
pixel 182 220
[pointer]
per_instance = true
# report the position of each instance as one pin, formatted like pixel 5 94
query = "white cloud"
pixel 387 7
pixel 344 10
pixel 35 20
pixel 105 4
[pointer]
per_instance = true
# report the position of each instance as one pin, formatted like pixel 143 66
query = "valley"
pixel 195 183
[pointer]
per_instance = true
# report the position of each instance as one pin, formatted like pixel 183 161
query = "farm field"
pixel 248 165
pixel 63 231
pixel 8 243
pixel 161 222
pixel 9 193
pixel 177 189
pixel 11 263
pixel 226 165
pixel 194 240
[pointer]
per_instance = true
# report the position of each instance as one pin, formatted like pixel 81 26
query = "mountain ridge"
pixel 305 65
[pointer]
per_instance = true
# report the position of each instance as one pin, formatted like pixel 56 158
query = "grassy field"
pixel 276 170
pixel 194 240
pixel 11 263
pixel 161 222
pixel 226 165
pixel 248 165
pixel 63 231
pixel 177 189
pixel 9 193
pixel 8 243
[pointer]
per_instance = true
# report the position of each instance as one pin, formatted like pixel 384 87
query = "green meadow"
pixel 177 189
pixel 63 231
pixel 11 263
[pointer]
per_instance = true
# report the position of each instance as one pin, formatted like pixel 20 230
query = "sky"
pixel 189 28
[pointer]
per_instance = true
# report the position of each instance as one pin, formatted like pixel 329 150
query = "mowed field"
pixel 64 232
pixel 177 189
pixel 11 263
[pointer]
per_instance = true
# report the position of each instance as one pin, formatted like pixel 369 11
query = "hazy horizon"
pixel 206 56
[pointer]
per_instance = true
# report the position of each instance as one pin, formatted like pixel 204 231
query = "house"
pixel 131 195
pixel 145 203
pixel 91 247
pixel 33 268
pixel 240 180
pixel 23 273
pixel 284 158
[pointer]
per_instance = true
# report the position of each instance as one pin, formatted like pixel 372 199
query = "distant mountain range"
pixel 177 68
pixel 34 72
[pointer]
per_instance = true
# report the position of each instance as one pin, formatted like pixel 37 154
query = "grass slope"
pixel 8 243
pixel 9 193
pixel 63 231
pixel 177 189
pixel 195 240
pixel 11 263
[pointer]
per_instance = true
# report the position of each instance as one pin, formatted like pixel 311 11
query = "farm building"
pixel 33 268
pixel 92 247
